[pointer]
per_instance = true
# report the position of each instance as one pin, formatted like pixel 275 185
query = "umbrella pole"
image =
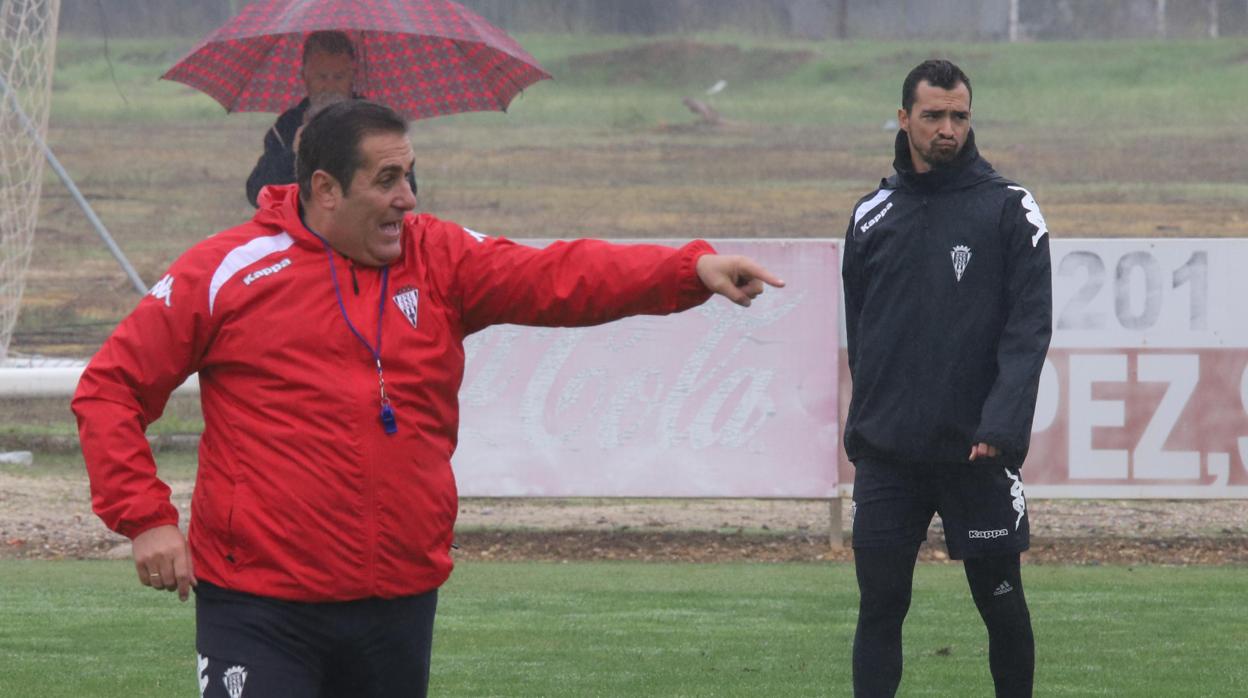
pixel 73 191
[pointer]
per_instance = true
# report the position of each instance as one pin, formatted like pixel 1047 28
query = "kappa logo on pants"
pixel 988 535
pixel 1016 491
pixel 203 674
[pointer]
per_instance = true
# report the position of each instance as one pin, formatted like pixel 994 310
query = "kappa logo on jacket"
pixel 244 256
pixel 961 255
pixel 266 271
pixel 408 299
pixel 1034 216
pixel 163 290
pixel 869 205
pixel 877 217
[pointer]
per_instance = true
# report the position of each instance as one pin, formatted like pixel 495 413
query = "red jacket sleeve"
pixel 570 284
pixel 124 389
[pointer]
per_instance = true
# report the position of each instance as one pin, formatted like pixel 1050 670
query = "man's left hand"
pixel 737 278
pixel 983 450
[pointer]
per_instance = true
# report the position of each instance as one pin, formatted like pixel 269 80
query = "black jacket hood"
pixel 966 170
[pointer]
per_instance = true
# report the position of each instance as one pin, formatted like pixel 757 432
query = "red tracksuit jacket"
pixel 300 493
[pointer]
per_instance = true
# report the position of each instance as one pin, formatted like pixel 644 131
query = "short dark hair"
pixel 331 42
pixel 939 73
pixel 331 140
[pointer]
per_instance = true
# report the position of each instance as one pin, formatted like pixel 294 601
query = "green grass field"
pixel 1126 87
pixel 581 629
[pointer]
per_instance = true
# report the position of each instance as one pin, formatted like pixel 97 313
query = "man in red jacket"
pixel 325 502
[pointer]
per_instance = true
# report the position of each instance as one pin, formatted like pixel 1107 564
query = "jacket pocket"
pixel 234 522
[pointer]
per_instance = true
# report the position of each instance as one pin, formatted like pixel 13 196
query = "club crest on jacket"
pixel 407 299
pixel 961 257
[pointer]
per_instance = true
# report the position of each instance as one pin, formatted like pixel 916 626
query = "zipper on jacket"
pixel 355 283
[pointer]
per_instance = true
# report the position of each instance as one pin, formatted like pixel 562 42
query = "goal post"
pixel 27 60
pixel 27 53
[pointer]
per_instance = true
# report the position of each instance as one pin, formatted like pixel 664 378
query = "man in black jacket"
pixel 948 306
pixel 328 72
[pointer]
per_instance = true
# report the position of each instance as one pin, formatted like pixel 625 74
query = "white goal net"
pixel 27 52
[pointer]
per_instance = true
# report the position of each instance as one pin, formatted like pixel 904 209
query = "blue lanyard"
pixel 388 421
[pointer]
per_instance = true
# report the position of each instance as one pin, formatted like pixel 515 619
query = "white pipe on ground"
pixel 58 382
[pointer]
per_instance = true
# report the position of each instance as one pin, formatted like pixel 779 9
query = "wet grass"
pixel 597 629
pixel 1118 84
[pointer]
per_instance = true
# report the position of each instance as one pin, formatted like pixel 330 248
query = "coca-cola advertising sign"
pixel 718 401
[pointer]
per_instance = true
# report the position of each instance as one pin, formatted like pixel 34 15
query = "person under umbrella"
pixel 328 69
pixel 422 58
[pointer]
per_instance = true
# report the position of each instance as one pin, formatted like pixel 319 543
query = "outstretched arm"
pixel 737 278
pixel 587 282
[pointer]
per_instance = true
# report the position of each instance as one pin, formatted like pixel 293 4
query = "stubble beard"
pixel 937 157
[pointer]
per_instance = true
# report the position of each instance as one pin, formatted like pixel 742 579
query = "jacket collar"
pixel 967 169
pixel 279 208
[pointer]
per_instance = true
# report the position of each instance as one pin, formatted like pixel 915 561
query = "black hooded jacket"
pixel 277 163
pixel 948 302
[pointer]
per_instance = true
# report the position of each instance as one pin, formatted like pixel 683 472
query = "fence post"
pixel 836 531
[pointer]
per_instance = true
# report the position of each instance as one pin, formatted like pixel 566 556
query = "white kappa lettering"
pixel 261 273
pixel 876 218
pixel 997 533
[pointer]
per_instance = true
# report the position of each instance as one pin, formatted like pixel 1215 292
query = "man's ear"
pixel 903 120
pixel 325 190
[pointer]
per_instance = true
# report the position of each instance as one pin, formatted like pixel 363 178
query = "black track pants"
pixel 885 579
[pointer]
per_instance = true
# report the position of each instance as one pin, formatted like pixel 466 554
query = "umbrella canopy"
pixel 422 58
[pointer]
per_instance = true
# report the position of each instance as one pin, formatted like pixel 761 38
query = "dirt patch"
pixel 49 517
pixel 758 180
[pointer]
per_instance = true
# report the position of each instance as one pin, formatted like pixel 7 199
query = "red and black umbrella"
pixel 421 57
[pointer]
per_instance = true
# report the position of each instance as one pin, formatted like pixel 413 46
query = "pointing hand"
pixel 737 278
